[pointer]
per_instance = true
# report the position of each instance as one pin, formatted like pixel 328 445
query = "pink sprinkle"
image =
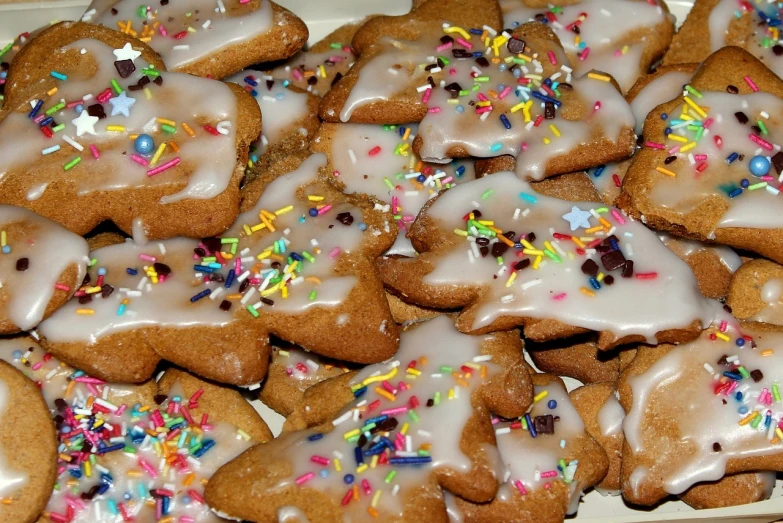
pixel 558 297
pixel 467 45
pixel 37 365
pixel 366 487
pixel 482 97
pixel 304 478
pixel 443 47
pixel 505 92
pixel 674 149
pixel 87 379
pixel 71 105
pixel 446 180
pixel 164 167
pixel 552 58
pixel 596 106
pixel 452 71
pixel 140 160
pixel 426 96
pixel 95 153
pixel 618 216
pixel 147 257
pixel 482 110
pixel 334 253
pixel 325 209
pixel 389 387
pixel 708 123
pixel 336 174
pixel 433 110
pixel 319 459
pixel 163 31
pixel 618 53
pixel 751 84
pixel 121 409
pixel 655 145
pixel 148 468
pixel 723 325
pixel 763 143
pixel 394 411
pixel 699 157
pixel 549 474
pixel 646 275
pixel 584 54
pixel 61 287
pixel 296 74
pixel 520 487
pixel 768 178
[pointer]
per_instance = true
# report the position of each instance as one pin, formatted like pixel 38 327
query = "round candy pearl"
pixel 6 249
pixel 313 212
pixel 759 166
pixel 348 479
pixel 552 404
pixel 144 144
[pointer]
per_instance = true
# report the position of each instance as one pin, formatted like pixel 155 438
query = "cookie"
pixel 140 451
pixel 297 264
pixel 27 472
pixel 7 54
pixel 713 24
pixel 620 37
pixel 720 410
pixel 42 265
pixel 199 38
pixel 756 291
pixel 731 491
pixel 581 360
pixel 550 461
pixel 513 257
pixel 293 371
pixel 158 153
pixel 405 313
pixel 713 265
pixel 322 65
pixel 423 434
pixel 717 180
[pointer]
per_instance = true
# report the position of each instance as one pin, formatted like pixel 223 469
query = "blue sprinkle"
pixel 743 410
pixel 132 272
pixel 297 256
pixel 35 110
pixel 46 121
pixel 205 446
pixel 732 157
pixel 6 249
pixel 744 183
pixel 460 109
pixel 460 170
pixel 17 354
pixel 530 426
pixel 186 500
pixel 314 437
pixel 359 392
pixel 197 297
pixel 667 131
pixel 594 283
pixel 421 178
pixel 362 226
pixel 230 278
pixel 102 271
pixel 475 31
pixel 357 454
pixel 598 171
pixel 736 192
pixel 736 376
pixel 414 460
pixel 738 396
pixel 536 94
pixel 324 473
pixel 505 121
pixel 477 54
pixel 204 268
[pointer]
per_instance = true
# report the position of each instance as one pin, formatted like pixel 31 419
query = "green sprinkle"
pixel 388 182
pixel 312 295
pixel 524 423
pixel 602 210
pixel 129 450
pixel 446 369
pixel 436 399
pixel 397 217
pixel 693 91
pixel 699 133
pixel 744 372
pixel 229 240
pixel 6 49
pixel 93 262
pixel 168 128
pixel 756 421
pixel 463 92
pixel 116 86
pixel 562 464
pixel 367 427
pixel 336 45
pixel 422 453
pixel 412 414
pixel 390 476
pixel 141 12
pixel 500 260
pixel 482 79
pixel 307 256
pixel 58 127
pixel 73 163
pixel 475 87
pixel 762 127
pixel 234 248
pixel 252 310
pixel 150 71
pixel 486 194
pixel 55 108
pixel 759 185
pixel 444 60
pixel 776 391
pixel 552 255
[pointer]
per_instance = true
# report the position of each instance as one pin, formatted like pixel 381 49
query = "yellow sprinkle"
pixel 547 141
pixel 374 462
pixel 85 312
pixel 52 91
pixel 578 242
pixel 591 230
pixel 517 107
pixel 695 107
pixel 377 495
pixel 511 279
pixel 454 29
pixel 351 433
pixel 537 261
pixel 605 223
pixel 314 198
pixel 147 93
pixel 266 222
pixel 115 128
pixel 373 379
pixel 585 290
pixel 533 252
pixel 284 292
pixel 188 129
pixel 451 394
pixel 541 395
pixel 554 130
pixel 721 336
pixel 747 419
pixel 677 138
pixel 404 429
pixel 667 172
pixel 386 394
pixel 415 372
pixel 361 468
pixel 596 76
pixel 767 352
pixel 166 121
pixel 600 277
pixel 158 154
pixel 688 147
pixel 337 465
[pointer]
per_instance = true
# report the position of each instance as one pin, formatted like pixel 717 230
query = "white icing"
pixel 685 248
pixel 452 508
pixel 291 515
pixel 672 298
pixel 603 177
pixel 207 161
pixel 610 417
pixel 664 88
pixel 605 31
pixel 297 69
pixel 139 233
pixel 771 294
pixel 161 23
pixel 680 385
pixel 50 249
pixel 10 480
pixel 168 303
pixel 36 192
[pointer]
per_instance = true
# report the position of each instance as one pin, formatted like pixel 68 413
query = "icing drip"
pixel 605 39
pixel 666 87
pixel 315 72
pixel 424 371
pixel 290 270
pixel 610 417
pixel 207 162
pixel 771 294
pixel 378 161
pixel 184 32
pixel 685 248
pixel 533 449
pixel 608 179
pixel 722 404
pixel 305 367
pixel 711 170
pixel 10 480
pixel 49 250
pixel 550 276
pixel 115 468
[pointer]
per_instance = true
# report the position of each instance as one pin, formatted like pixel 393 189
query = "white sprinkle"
pixel 482 358
pixel 345 417
pixel 501 431
pixel 216 292
pixel 709 368
pixel 73 143
pixel 352 156
pixel 182 47
pixel 206 24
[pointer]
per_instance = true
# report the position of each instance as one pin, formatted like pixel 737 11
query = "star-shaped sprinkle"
pixel 121 104
pixel 127 53
pixel 577 218
pixel 85 123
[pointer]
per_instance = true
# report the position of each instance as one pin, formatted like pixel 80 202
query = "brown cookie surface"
pixel 755 292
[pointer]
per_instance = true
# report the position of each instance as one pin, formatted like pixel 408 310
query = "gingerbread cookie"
pixel 7 54
pixel 41 266
pixel 95 129
pixel 550 460
pixel 713 24
pixel 298 263
pixel 708 167
pixel 718 395
pixel 514 257
pixel 411 426
pixel 27 472
pixel 623 38
pixel 204 39
pixel 140 452
pixel 581 360
pixel 756 291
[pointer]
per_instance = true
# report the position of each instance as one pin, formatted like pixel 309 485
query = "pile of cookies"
pixel 401 239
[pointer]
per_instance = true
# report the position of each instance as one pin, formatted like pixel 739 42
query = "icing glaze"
pixel 605 40
pixel 114 467
pixel 291 515
pixel 378 161
pixel 722 404
pixel 281 109
pixel 305 367
pixel 184 32
pixel 452 509
pixel 315 72
pixel 713 168
pixel 167 283
pixel 207 161
pixel 685 248
pixel 611 416
pixel 10 480
pixel 608 179
pixel 664 88
pixel 525 281
pixel 533 461
pixel 49 249
pixel 771 294
pixel 432 349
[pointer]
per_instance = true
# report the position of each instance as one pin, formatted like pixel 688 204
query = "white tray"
pixel 322 17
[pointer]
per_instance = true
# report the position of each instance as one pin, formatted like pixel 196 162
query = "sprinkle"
pixel 596 76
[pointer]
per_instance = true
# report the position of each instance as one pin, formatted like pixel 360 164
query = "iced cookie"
pixel 581 360
pixel 549 457
pixel 411 426
pixel 709 164
pixel 512 256
pixel 719 397
pixel 405 313
pixel 27 472
pixel 95 129
pixel 205 38
pixel 713 24
pixel 623 38
pixel 41 266
pixel 7 54
pixel 140 452
pixel 297 264
pixel 713 265
pixel 756 291
pixel 293 371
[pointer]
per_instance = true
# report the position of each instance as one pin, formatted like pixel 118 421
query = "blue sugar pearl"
pixel 313 212
pixel 324 473
pixel 348 479
pixel 759 166
pixel 101 272
pixel 79 108
pixel 667 131
pixel 460 109
pixel 743 410
pixel 6 249
pixel 17 354
pixel 738 396
pixel 144 144
pixel 552 404
pixel 744 183
pixel 362 226
pixel 740 342
pixel 186 500
pixel 420 178
pixel 664 116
